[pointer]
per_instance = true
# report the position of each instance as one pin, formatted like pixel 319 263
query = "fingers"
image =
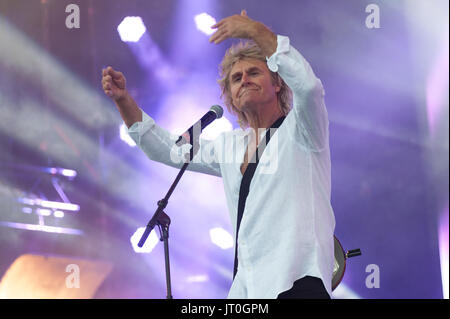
pixel 218 24
pixel 113 83
pixel 108 91
pixel 235 26
pixel 107 81
pixel 107 86
pixel 223 21
pixel 222 32
pixel 106 74
pixel 218 36
pixel 115 74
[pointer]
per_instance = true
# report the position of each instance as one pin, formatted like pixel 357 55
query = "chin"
pixel 247 106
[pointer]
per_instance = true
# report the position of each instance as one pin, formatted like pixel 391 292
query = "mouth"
pixel 247 90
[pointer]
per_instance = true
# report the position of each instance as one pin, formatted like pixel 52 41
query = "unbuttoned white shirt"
pixel 287 227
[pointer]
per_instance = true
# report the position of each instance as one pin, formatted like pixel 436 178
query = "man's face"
pixel 251 85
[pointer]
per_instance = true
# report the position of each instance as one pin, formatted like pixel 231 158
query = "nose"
pixel 245 79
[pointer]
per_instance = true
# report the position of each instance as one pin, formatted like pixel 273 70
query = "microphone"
pixel 215 112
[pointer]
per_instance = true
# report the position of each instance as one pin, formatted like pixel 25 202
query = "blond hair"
pixel 249 50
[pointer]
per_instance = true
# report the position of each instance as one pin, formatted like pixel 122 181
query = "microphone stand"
pixel 162 220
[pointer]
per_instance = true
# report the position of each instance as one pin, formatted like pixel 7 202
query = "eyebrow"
pixel 239 73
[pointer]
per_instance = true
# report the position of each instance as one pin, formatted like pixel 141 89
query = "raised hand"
pixel 114 86
pixel 113 83
pixel 236 26
pixel 241 26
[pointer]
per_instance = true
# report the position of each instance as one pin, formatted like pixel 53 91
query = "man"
pixel 282 218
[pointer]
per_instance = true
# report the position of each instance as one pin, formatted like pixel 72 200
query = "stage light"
pixel 197 278
pixel 27 210
pixel 49 204
pixel 58 205
pixel 221 237
pixel 131 29
pixel 443 251
pixel 150 243
pixel 124 136
pixel 44 228
pixel 204 21
pixel 58 214
pixel 43 212
pixel 68 172
pixel 60 171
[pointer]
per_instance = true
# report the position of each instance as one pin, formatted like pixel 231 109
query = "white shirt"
pixel 287 228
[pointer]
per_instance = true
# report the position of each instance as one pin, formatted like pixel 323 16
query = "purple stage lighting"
pixel 197 278
pixel 58 214
pixel 437 87
pixel 27 210
pixel 49 204
pixel 151 242
pixel 43 228
pixel 60 171
pixel 43 212
pixel 221 237
pixel 124 136
pixel 443 251
pixel 131 29
pixel 204 22
pixel 68 172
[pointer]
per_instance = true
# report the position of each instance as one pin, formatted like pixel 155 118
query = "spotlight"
pixel 58 171
pixel 27 210
pixel 221 237
pixel 68 172
pixel 131 29
pixel 58 214
pixel 204 22
pixel 43 212
pixel 49 204
pixel 197 278
pixel 151 242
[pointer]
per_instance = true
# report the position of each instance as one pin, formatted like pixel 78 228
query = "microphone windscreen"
pixel 218 110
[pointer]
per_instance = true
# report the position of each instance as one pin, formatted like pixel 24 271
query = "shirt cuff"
pixel 139 128
pixel 282 47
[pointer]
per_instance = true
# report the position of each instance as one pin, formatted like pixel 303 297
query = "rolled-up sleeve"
pixel 308 95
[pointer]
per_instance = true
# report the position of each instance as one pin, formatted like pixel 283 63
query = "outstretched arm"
pixel 157 143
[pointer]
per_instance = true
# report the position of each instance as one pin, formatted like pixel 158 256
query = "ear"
pixel 277 84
